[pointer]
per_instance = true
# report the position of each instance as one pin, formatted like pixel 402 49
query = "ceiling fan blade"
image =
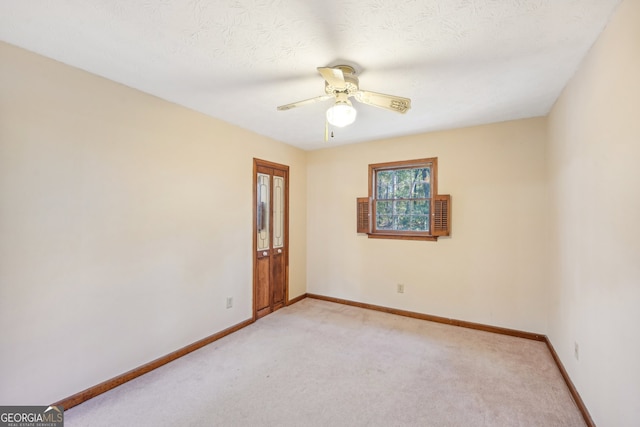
pixel 388 102
pixel 333 76
pixel 305 102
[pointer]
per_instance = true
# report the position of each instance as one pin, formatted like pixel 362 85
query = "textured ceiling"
pixel 462 62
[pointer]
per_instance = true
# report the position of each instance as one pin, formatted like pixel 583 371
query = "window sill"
pixel 401 236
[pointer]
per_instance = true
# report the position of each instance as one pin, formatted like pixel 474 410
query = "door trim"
pixel 256 163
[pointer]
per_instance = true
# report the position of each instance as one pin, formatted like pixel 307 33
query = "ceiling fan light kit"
pixel 342 84
pixel 342 113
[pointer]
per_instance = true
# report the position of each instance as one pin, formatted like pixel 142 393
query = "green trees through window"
pixel 403 198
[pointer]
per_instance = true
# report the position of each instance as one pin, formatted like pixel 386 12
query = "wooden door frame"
pixel 259 162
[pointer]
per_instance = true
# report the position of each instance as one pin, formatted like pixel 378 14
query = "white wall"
pixel 125 222
pixel 492 269
pixel 594 175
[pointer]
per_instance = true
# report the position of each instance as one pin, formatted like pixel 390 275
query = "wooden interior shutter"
pixel 441 218
pixel 363 213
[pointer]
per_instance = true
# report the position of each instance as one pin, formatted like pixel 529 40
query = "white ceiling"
pixel 462 62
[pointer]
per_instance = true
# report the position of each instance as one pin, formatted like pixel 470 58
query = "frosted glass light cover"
pixel 341 114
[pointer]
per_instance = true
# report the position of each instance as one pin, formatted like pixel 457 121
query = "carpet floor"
pixel 318 363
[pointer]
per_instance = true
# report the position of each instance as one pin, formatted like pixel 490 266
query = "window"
pixel 403 202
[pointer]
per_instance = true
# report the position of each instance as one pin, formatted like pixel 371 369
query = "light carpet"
pixel 318 363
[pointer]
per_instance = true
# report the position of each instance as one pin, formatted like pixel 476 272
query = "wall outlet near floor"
pixel 400 288
pixel 576 350
pixel 229 302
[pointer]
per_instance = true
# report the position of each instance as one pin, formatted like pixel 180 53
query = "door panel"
pixel 278 278
pixel 262 283
pixel 271 257
pixel 263 209
pixel 278 208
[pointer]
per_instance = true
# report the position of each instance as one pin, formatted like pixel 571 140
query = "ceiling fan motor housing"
pixel 350 81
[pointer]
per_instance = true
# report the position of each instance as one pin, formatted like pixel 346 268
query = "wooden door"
pixel 270 237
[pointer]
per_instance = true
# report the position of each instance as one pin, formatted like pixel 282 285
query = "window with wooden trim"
pixel 403 202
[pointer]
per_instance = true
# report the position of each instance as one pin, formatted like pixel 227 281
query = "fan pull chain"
pixel 326 131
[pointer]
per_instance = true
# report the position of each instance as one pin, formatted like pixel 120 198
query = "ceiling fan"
pixel 341 83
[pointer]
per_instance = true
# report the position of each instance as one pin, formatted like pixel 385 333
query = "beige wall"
pixel 594 175
pixel 492 268
pixel 125 222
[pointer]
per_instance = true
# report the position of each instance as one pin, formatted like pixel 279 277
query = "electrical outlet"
pixel 229 302
pixel 576 350
pixel 400 288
